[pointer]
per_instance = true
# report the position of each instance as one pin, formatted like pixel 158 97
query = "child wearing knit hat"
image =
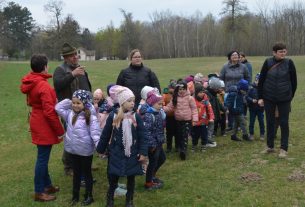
pixel 82 135
pixel 153 117
pixel 124 137
pixel 235 104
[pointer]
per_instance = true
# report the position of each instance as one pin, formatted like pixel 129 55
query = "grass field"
pixel 211 179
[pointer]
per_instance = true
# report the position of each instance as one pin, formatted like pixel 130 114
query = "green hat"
pixel 67 49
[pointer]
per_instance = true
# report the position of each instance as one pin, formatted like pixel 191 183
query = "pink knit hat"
pixel 152 98
pixel 113 91
pixel 123 94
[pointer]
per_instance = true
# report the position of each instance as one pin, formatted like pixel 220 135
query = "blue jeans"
pixel 260 117
pixel 42 177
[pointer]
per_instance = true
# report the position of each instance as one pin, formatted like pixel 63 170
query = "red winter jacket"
pixel 205 111
pixel 44 122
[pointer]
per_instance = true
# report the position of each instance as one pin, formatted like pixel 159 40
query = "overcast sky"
pixel 96 14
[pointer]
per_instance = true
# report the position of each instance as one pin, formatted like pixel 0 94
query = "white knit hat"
pixel 146 89
pixel 123 94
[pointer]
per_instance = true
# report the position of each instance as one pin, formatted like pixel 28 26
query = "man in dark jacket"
pixel 67 78
pixel 136 76
pixel 276 88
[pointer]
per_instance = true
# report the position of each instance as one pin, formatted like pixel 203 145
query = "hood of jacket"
pixel 29 81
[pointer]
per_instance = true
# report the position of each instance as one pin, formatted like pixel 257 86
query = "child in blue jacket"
pixel 235 104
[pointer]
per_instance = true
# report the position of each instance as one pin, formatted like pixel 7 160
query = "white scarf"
pixel 127 134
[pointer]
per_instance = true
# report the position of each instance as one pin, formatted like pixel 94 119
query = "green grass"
pixel 209 179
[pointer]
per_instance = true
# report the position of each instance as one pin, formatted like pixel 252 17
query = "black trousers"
pixel 113 184
pixel 183 131
pixel 156 158
pixel 82 167
pixel 284 109
pixel 171 127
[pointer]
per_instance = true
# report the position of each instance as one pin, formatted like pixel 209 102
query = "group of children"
pixel 132 137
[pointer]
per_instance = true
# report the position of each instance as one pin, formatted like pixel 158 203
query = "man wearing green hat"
pixel 67 78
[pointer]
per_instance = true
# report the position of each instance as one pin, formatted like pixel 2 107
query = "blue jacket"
pixel 154 125
pixel 234 101
pixel 253 94
pixel 118 163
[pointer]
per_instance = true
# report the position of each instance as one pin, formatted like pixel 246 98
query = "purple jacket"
pixel 80 139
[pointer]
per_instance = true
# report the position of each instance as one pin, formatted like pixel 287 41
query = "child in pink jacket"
pixel 186 114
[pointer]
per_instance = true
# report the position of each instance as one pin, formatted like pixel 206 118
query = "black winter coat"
pixel 118 163
pixel 135 78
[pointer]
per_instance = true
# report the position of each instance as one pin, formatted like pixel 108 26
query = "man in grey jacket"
pixel 67 78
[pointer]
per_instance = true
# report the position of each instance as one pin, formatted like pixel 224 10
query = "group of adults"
pixel 277 85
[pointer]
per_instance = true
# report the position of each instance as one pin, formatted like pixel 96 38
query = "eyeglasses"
pixel 136 57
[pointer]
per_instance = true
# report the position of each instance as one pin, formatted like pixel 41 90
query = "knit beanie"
pixel 123 94
pixel 189 78
pixel 113 90
pixel 243 85
pixel 222 83
pixel 214 83
pixel 146 89
pixel 153 98
pixel 198 78
pixel 84 96
pixel 98 93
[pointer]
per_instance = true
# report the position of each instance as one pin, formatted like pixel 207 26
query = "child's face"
pixel 181 91
pixel 158 105
pixel 129 104
pixel 77 105
pixel 96 99
pixel 200 94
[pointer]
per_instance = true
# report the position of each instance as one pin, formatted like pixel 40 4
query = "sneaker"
pixel 283 153
pixel 268 150
pixel 211 145
pixel 251 137
pixel 152 186
pixel 122 185
pixel 235 138
pixel 262 137
pixel 120 191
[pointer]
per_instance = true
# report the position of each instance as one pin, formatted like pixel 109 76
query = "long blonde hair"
pixel 119 117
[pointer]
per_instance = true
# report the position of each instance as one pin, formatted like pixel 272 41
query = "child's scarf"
pixel 127 134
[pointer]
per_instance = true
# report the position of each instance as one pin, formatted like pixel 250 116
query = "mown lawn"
pixel 207 179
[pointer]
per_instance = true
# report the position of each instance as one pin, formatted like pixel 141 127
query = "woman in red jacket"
pixel 45 126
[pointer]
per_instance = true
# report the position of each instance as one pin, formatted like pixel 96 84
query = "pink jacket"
pixel 186 109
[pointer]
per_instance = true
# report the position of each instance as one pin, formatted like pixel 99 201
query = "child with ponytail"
pixel 83 134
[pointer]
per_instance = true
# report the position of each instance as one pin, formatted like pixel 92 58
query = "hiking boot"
pixel 283 153
pixel 268 150
pixel 235 138
pixel 246 137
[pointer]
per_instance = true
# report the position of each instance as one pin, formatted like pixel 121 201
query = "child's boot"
pixel 129 200
pixel 246 137
pixel 88 199
pixel 235 138
pixel 75 198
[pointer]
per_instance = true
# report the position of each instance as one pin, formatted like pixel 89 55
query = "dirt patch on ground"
pixel 297 176
pixel 251 177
